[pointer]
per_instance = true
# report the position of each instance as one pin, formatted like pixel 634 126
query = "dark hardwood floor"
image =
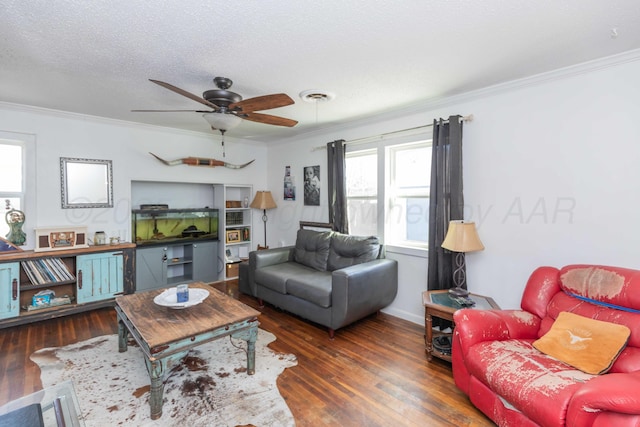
pixel 374 373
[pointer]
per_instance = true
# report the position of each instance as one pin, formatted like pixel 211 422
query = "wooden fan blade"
pixel 170 111
pixel 268 119
pixel 185 93
pixel 265 102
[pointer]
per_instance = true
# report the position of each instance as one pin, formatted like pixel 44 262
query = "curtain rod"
pixel 468 118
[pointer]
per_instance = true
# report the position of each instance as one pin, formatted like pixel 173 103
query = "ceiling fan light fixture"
pixel 316 95
pixel 222 121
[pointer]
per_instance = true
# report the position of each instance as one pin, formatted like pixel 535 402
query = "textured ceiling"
pixel 95 57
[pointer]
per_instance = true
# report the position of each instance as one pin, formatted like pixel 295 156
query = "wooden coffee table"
pixel 165 334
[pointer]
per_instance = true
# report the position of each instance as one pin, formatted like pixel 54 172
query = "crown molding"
pixel 445 101
pixel 535 80
pixel 97 119
pixel 333 128
pixel 123 123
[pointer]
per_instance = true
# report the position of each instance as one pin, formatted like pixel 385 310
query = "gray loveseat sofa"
pixel 328 278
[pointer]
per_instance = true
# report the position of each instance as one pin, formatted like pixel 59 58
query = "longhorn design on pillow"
pixel 200 161
pixel 576 338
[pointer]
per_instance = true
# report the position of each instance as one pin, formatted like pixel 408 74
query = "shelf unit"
pixel 96 275
pixel 236 221
pixel 169 264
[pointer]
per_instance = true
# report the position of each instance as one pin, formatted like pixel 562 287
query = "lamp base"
pixel 458 292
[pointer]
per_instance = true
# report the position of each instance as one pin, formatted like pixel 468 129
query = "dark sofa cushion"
pixel 312 248
pixel 275 276
pixel 349 250
pixel 314 287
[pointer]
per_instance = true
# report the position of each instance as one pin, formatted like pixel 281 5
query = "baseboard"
pixel 405 315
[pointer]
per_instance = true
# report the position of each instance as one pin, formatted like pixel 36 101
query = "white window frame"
pixel 27 194
pixel 393 193
pixel 367 152
pixel 381 145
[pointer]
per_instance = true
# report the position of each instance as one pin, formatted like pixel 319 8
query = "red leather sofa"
pixel 495 364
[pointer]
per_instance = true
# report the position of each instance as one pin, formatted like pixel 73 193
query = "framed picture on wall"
pixel 312 185
pixel 289 185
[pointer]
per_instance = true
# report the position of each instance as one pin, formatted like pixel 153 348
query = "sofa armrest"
pixel 265 258
pixel 474 326
pixel 609 395
pixel 362 289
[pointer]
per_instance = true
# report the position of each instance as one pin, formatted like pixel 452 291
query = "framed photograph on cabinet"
pixel 233 236
pixel 60 238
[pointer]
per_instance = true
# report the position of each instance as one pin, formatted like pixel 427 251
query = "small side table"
pixel 439 304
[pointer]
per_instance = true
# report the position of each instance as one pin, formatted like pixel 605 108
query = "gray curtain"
pixel 446 199
pixel 337 190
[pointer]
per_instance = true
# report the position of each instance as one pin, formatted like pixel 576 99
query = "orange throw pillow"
pixel 584 343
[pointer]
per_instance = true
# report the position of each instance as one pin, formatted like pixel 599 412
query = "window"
pixel 407 194
pixel 362 192
pixel 388 191
pixel 12 161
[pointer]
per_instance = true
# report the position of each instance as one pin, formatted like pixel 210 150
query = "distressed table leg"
pixel 250 336
pixel 251 356
pixel 156 371
pixel 123 335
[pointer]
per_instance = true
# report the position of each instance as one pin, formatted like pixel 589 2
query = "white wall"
pixel 59 134
pixel 551 177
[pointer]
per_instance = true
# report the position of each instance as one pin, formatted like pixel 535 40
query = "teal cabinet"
pixel 99 276
pixel 82 279
pixel 9 290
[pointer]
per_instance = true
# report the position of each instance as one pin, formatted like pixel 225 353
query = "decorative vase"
pixel 15 220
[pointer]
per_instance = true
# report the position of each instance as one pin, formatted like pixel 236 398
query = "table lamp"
pixel 263 200
pixel 461 237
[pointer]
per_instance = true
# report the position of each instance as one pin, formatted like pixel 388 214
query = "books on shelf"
pixel 47 270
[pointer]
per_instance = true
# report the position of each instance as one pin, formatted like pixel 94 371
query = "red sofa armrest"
pixel 474 326
pixel 609 395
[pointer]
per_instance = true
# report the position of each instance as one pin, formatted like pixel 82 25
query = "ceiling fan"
pixel 227 109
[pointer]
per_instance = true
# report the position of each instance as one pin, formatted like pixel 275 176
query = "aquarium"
pixel 156 225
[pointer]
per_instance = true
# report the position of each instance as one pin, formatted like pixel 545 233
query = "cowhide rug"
pixel 210 387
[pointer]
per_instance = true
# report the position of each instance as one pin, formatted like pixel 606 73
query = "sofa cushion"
pixel 347 250
pixel 312 248
pixel 587 344
pixel 312 286
pixel 611 285
pixel 275 276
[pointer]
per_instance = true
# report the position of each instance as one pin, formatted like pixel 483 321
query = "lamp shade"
pixel 462 237
pixel 263 200
pixel 222 121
